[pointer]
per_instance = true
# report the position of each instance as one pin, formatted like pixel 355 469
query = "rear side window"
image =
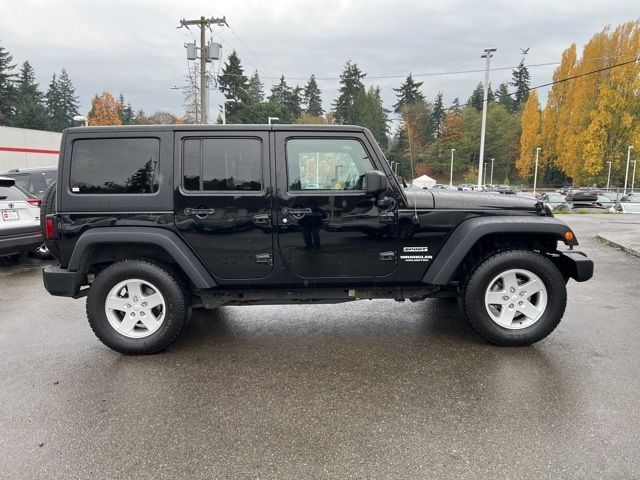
pixel 115 165
pixel 11 193
pixel 24 181
pixel 222 164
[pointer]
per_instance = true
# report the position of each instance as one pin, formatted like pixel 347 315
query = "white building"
pixel 24 148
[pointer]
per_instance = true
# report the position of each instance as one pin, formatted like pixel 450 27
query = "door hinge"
pixel 387 256
pixel 387 217
pixel 262 219
pixel 264 258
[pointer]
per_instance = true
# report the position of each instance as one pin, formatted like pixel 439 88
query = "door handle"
pixel 387 256
pixel 199 212
pixel 261 219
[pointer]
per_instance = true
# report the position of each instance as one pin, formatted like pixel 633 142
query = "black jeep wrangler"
pixel 151 222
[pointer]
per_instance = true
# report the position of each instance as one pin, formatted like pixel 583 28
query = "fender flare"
pixel 465 236
pixel 167 240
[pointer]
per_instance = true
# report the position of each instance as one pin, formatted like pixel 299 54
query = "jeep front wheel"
pixel 514 297
pixel 137 306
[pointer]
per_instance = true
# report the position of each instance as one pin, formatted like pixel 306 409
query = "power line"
pixel 528 89
pixel 251 52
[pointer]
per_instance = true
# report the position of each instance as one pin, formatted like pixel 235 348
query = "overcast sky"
pixel 133 47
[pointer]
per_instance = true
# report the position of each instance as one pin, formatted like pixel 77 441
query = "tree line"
pixel 24 105
pixel 592 119
pixel 586 122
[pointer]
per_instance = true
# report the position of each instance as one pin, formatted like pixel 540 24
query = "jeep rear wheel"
pixel 514 297
pixel 137 306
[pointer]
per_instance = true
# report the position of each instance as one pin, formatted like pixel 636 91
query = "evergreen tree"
pixel 455 105
pixel 255 89
pixel 280 92
pixel 293 104
pixel 503 97
pixel 350 86
pixel 69 102
pixel 55 114
pixel 408 94
pixel 30 111
pixel 7 91
pixel 125 111
pixel 475 100
pixel 234 85
pixel 377 117
pixel 312 98
pixel 520 80
pixel 438 116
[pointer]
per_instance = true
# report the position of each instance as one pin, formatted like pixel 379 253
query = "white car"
pixel 19 221
pixel 625 207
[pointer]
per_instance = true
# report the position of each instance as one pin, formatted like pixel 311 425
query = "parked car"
pixel 506 259
pixel 553 199
pixel 633 197
pixel 625 207
pixel 586 207
pixel 33 180
pixel 19 221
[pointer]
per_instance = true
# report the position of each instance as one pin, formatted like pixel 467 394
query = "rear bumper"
pixel 575 264
pixel 61 282
pixel 18 241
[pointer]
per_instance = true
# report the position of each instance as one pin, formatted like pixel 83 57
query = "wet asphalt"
pixel 372 389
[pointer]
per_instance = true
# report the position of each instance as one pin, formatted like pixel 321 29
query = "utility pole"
pixel 487 54
pixel 626 176
pixel 203 23
pixel 535 175
pixel 491 181
pixel 451 175
pixel 609 176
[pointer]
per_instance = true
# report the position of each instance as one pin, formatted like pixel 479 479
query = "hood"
pixel 447 199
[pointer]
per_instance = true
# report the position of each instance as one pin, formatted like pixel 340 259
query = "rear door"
pixel 327 226
pixel 223 201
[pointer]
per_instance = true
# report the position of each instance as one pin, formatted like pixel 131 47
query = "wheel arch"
pixel 136 242
pixel 477 236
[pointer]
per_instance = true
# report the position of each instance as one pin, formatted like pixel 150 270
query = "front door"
pixel 223 201
pixel 327 226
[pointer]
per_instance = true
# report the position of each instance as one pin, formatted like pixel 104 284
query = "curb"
pixel 629 250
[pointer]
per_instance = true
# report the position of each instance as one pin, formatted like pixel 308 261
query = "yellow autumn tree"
pixel 104 110
pixel 591 119
pixel 530 138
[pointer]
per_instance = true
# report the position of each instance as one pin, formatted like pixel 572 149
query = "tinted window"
pixel 11 193
pixel 326 164
pixel 23 181
pixel 115 165
pixel 221 164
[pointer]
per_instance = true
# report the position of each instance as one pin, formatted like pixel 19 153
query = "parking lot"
pixel 372 389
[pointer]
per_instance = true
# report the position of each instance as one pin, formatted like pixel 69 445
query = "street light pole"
pixel 272 118
pixel 491 181
pixel 487 55
pixel 484 175
pixel 626 176
pixel 535 174
pixel 451 175
pixel 609 176
pixel 633 176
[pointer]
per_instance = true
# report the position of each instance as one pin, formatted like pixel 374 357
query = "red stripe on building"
pixel 29 150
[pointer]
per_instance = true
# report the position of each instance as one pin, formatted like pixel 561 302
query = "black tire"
pixel 477 284
pixel 171 287
pixel 48 207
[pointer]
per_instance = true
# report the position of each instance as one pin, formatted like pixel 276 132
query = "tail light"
pixel 34 202
pixel 50 227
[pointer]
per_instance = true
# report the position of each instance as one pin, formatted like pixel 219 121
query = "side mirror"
pixel 375 182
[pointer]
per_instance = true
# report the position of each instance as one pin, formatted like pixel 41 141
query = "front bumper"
pixel 574 264
pixel 61 282
pixel 22 239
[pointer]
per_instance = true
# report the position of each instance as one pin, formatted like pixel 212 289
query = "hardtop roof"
pixel 232 128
